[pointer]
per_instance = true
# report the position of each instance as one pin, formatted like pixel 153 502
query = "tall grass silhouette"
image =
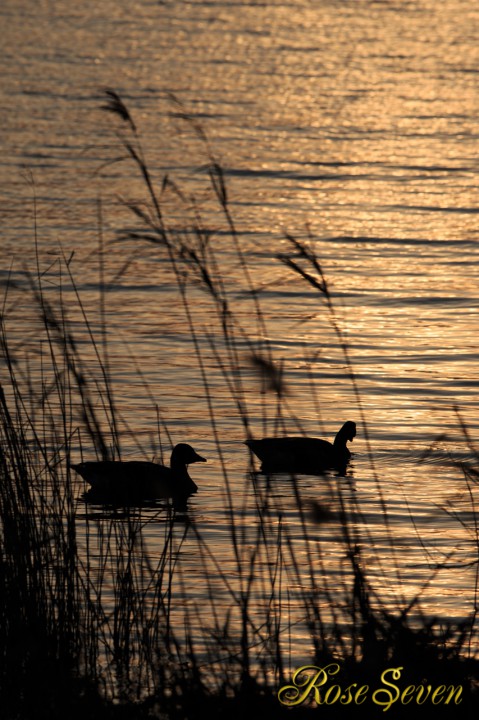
pixel 89 616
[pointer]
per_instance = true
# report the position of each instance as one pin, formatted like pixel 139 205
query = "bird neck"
pixel 179 468
pixel 184 484
pixel 340 441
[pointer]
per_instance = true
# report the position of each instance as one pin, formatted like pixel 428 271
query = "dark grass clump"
pixel 43 669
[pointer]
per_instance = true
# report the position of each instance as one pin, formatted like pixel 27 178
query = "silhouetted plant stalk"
pixel 192 258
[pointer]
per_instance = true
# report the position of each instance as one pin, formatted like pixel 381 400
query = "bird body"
pixel 135 481
pixel 303 454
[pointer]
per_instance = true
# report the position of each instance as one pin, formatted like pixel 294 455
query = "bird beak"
pixel 198 458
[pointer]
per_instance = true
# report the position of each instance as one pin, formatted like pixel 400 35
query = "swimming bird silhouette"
pixel 134 481
pixel 303 454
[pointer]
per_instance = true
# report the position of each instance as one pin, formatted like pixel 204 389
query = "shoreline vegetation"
pixel 88 623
